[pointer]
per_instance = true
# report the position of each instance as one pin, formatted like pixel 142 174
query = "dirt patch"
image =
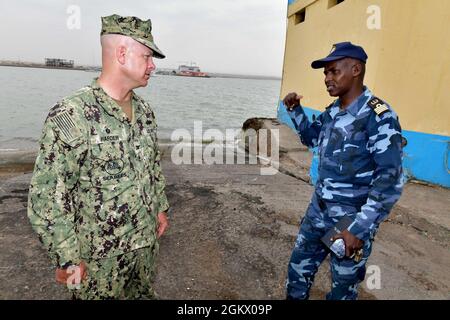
pixel 406 218
pixel 226 246
pixel 25 269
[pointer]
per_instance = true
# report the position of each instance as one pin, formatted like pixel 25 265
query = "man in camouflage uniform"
pixel 360 173
pixel 97 196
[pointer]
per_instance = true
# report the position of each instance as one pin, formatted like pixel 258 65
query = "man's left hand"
pixel 162 223
pixel 352 243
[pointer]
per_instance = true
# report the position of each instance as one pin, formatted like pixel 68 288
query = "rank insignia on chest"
pixel 378 106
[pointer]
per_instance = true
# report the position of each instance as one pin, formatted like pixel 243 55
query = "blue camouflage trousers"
pixel 309 252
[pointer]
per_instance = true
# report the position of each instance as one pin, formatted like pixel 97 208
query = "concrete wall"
pixel 408 67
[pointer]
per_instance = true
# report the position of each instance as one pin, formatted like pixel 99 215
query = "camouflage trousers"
pixel 127 276
pixel 309 253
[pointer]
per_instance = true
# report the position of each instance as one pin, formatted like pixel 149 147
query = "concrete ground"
pixel 232 231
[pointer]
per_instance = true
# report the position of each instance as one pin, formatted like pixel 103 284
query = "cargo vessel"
pixel 190 71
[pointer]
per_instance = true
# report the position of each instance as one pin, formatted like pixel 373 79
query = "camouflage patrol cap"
pixel 132 27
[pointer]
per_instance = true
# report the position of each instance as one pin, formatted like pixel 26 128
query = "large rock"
pixel 292 157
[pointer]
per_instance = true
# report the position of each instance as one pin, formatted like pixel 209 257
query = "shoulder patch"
pixel 66 126
pixel 378 106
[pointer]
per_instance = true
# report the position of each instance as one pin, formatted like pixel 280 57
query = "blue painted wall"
pixel 426 157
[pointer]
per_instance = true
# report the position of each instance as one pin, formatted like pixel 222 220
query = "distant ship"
pixel 190 71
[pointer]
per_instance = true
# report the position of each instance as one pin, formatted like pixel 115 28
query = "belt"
pixel 323 205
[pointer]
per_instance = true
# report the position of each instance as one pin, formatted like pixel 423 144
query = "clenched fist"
pixel 292 100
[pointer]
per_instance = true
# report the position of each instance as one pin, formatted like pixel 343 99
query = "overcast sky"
pixel 228 36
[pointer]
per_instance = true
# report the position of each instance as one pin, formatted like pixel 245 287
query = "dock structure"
pixel 59 63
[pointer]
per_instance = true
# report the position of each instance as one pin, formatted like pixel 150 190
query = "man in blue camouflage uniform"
pixel 360 173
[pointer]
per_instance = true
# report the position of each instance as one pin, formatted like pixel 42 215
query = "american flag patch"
pixel 67 129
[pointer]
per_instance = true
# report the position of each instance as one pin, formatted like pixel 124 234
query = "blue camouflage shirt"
pixel 360 160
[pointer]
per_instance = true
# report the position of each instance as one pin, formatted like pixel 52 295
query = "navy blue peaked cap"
pixel 339 51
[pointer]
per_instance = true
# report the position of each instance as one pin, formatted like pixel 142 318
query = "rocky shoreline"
pixel 232 231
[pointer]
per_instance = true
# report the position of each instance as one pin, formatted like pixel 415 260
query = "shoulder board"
pixel 378 106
